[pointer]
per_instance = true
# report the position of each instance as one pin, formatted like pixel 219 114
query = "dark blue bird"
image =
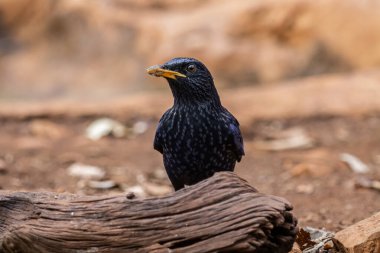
pixel 197 136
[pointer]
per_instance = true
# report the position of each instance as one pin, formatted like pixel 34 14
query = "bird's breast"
pixel 194 131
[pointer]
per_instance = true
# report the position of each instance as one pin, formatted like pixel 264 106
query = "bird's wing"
pixel 158 139
pixel 157 144
pixel 237 140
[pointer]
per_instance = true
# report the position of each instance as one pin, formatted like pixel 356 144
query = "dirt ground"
pixel 35 155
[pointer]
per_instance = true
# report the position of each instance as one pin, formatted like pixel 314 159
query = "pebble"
pixel 305 188
pixel 86 171
pixel 140 127
pixel 295 138
pixel 130 195
pixel 137 190
pixel 103 127
pixel 102 185
pixel 355 164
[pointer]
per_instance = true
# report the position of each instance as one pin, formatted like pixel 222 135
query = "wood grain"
pixel 220 214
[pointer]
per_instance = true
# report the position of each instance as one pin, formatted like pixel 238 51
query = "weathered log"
pixel 220 214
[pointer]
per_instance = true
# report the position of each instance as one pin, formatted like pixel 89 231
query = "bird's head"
pixel 189 80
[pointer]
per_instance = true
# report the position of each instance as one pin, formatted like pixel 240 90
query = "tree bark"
pixel 220 214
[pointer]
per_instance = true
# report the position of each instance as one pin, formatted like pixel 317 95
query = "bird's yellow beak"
pixel 156 70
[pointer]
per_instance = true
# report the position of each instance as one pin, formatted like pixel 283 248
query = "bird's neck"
pixel 183 98
pixel 181 101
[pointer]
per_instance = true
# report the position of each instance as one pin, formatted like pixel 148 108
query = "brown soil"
pixel 321 187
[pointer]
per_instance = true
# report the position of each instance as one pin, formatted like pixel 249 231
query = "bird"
pixel 197 136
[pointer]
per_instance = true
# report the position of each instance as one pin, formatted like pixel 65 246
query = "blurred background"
pixel 67 48
pixel 301 76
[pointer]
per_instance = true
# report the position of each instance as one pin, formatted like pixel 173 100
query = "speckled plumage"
pixel 197 136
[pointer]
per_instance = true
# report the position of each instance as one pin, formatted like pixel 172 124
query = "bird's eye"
pixel 191 68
